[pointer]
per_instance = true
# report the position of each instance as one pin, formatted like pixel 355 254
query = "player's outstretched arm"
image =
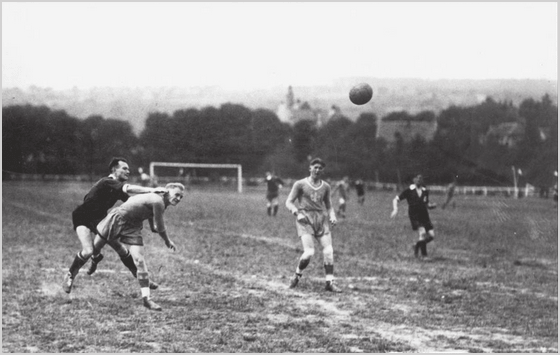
pixel 137 189
pixel 395 207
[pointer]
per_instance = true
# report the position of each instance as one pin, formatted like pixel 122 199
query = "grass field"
pixel 491 285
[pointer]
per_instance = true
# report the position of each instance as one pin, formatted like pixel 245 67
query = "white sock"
pixel 145 292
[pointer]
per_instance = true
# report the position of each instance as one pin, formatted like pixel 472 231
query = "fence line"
pixel 507 191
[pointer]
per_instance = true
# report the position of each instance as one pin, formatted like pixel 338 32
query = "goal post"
pixel 199 165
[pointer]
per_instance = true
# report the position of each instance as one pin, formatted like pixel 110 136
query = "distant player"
pixel 102 196
pixel 360 191
pixel 342 188
pixel 124 224
pixel 417 197
pixel 144 178
pixel 555 195
pixel 315 216
pixel 449 193
pixel 273 185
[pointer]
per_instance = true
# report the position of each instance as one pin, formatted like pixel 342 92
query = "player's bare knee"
pixel 308 253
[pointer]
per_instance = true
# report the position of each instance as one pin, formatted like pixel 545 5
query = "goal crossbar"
pixel 201 165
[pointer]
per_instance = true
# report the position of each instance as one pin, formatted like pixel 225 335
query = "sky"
pixel 263 44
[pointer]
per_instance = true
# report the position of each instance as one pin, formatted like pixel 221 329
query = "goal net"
pixel 197 174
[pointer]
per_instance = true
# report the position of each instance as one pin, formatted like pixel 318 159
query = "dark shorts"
pixel 82 219
pixel 420 218
pixel 271 195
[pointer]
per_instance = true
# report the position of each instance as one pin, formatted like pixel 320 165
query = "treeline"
pixel 36 139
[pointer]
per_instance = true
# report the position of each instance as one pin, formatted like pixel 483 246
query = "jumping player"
pixel 124 224
pixel 314 214
pixel 273 184
pixel 102 196
pixel 418 204
pixel 342 187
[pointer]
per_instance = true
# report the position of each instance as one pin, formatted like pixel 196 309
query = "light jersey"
pixel 311 198
pixel 342 187
pixel 139 208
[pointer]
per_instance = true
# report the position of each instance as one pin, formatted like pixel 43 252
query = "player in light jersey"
pixel 314 214
pixel 102 196
pixel 124 224
pixel 342 188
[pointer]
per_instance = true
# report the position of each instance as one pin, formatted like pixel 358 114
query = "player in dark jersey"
pixel 102 196
pixel 273 184
pixel 418 200
pixel 360 191
pixel 314 214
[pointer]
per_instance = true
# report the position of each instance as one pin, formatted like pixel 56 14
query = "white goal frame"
pixel 197 165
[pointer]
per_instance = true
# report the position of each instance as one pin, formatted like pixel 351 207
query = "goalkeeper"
pixel 417 197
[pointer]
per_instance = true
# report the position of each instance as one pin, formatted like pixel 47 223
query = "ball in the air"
pixel 361 94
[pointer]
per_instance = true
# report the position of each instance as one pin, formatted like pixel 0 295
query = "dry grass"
pixel 491 286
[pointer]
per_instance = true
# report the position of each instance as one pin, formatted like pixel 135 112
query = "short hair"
pixel 317 161
pixel 115 162
pixel 177 185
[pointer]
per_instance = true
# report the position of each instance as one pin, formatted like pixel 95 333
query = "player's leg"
pixel 268 206
pixel 423 240
pixel 274 206
pixel 305 258
pixel 86 239
pixel 137 252
pixel 328 262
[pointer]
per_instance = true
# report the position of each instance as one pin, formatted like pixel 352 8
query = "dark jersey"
pixel 360 188
pixel 273 183
pixel 417 207
pixel 102 196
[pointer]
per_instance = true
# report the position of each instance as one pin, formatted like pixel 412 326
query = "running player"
pixel 102 196
pixel 273 184
pixel 360 191
pixel 124 224
pixel 314 214
pixel 342 188
pixel 417 197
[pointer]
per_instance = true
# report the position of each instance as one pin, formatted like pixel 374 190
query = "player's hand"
pixel 393 214
pixel 159 190
pixel 333 221
pixel 171 245
pixel 301 218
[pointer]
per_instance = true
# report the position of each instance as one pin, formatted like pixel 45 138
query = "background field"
pixel 491 286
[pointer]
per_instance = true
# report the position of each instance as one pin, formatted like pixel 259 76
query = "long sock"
pixel 128 261
pixel 423 248
pixel 302 265
pixel 144 282
pixel 329 272
pixel 269 210
pixel 77 264
pixel 275 210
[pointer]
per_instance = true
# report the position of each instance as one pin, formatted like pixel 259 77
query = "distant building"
pixel 293 110
pixel 508 134
pixel 408 129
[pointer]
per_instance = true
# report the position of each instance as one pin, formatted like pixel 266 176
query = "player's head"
pixel 119 168
pixel 418 179
pixel 316 167
pixel 174 194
